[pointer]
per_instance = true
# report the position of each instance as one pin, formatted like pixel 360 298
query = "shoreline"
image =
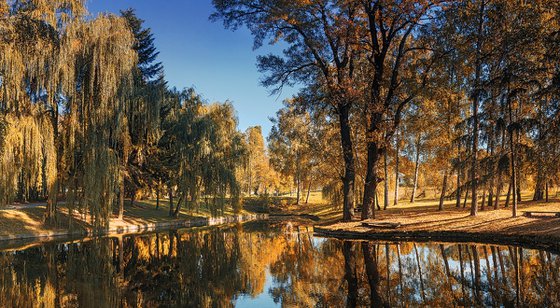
pixel 456 225
pixel 528 241
pixel 132 228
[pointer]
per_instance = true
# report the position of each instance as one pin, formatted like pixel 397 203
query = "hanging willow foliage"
pixel 101 59
pixel 51 57
pixel 26 165
pixel 29 48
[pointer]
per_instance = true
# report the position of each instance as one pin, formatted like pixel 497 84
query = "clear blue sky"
pixel 220 64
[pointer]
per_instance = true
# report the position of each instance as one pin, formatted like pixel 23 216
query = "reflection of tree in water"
pixel 213 267
pixel 341 274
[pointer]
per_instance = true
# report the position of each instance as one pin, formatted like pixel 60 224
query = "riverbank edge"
pixel 549 243
pixel 138 228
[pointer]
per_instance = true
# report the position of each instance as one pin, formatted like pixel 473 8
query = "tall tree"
pixel 321 42
pixel 397 60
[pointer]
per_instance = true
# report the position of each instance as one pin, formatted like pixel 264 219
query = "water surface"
pixel 261 264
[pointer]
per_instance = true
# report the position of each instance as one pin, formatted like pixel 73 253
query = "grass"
pixel 29 220
pixel 424 220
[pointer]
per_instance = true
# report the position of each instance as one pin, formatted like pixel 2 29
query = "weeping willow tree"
pixel 100 64
pixel 64 87
pixel 203 151
pixel 224 153
pixel 30 80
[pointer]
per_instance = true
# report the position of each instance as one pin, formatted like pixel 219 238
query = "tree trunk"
pixel 178 207
pixel 170 200
pixel 475 103
pixel 508 194
pixel 133 197
pixel 397 158
pixel 539 189
pixel 459 174
pixel 298 178
pixel 349 168
pixel 308 192
pixel 443 189
pixel 370 187
pixel 546 192
pixel 157 195
pixel 498 193
pixel 483 200
pixel 466 197
pixel 53 188
pixel 386 191
pixel 121 196
pixel 513 184
pixel 416 169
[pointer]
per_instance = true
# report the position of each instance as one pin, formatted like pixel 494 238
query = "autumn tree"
pixel 398 62
pixel 321 43
pixel 290 146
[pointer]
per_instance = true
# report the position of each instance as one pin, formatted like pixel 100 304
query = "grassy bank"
pixel 425 222
pixel 24 221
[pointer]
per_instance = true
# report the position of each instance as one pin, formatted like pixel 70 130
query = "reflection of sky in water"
pixel 261 300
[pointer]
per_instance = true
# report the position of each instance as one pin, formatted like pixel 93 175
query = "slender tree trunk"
pixel 179 203
pixel 397 180
pixel 466 198
pixel 498 193
pixel 386 191
pixel 132 197
pixel 508 194
pixel 349 168
pixel 518 168
pixel 53 188
pixel 546 192
pixel 298 190
pixel 308 192
pixel 483 207
pixel 459 174
pixel 157 195
pixel 475 103
pixel 121 196
pixel 170 188
pixel 416 169
pixel 443 190
pixel 377 201
pixel 298 178
pixel 513 184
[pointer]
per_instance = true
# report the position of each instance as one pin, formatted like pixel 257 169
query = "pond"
pixel 262 264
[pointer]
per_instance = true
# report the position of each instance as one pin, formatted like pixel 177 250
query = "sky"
pixel 219 63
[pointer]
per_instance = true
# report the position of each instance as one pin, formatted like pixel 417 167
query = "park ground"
pixel 418 220
pixel 27 220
